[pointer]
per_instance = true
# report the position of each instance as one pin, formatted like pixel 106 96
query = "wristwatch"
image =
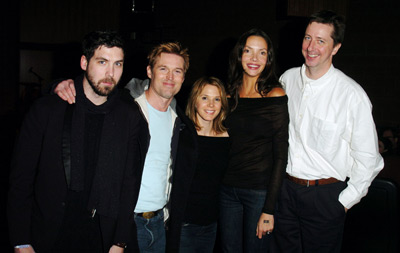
pixel 121 244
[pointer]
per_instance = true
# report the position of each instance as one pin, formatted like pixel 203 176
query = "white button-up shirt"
pixel 331 131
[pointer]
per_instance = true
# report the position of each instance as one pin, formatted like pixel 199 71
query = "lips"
pixel 107 84
pixel 171 85
pixel 253 66
pixel 108 81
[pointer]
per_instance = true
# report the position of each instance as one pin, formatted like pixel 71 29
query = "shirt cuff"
pixel 22 246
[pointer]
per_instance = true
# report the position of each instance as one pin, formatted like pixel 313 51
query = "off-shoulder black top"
pixel 258 129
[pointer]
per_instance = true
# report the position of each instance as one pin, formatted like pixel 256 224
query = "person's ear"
pixel 84 63
pixel 336 48
pixel 149 71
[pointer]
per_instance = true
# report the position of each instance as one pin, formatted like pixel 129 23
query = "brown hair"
pixel 198 86
pixel 329 17
pixel 169 48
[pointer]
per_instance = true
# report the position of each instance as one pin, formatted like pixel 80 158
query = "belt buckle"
pixel 148 215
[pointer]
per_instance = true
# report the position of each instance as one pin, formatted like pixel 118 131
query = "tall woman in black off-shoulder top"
pixel 258 128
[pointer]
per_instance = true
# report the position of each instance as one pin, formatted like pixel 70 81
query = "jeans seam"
pixel 150 232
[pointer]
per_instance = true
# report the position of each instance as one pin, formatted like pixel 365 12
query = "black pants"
pixel 309 219
pixel 82 236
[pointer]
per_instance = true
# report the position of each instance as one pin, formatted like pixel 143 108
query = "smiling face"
pixel 254 56
pixel 104 70
pixel 318 49
pixel 208 104
pixel 167 76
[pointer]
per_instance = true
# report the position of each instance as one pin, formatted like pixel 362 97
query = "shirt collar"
pixel 314 83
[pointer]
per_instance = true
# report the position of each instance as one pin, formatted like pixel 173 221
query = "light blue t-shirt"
pixel 153 195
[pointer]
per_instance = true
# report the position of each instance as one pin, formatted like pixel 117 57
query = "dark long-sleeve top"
pixel 258 128
pixel 38 186
pixel 202 204
pixel 188 179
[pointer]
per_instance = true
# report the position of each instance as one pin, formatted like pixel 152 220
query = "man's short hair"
pixel 331 18
pixel 169 48
pixel 95 39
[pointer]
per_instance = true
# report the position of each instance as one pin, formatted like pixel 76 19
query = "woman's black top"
pixel 202 204
pixel 258 129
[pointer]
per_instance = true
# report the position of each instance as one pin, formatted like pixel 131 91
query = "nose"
pixel 211 103
pixel 254 57
pixel 311 45
pixel 110 71
pixel 170 76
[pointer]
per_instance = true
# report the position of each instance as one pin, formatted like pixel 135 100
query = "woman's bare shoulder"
pixel 276 92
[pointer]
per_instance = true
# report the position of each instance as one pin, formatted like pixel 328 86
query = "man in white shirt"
pixel 333 146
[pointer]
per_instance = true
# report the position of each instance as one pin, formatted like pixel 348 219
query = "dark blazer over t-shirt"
pixel 38 188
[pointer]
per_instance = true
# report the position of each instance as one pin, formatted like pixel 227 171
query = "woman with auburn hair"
pixel 258 128
pixel 201 162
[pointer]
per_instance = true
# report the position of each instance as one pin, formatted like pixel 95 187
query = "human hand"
pixel 66 90
pixel 116 249
pixel 265 225
pixel 24 250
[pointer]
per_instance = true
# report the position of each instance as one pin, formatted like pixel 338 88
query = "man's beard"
pixel 101 91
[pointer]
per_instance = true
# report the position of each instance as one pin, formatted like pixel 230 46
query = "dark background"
pixel 40 42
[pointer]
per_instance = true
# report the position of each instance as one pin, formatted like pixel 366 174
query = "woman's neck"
pixel 249 88
pixel 206 129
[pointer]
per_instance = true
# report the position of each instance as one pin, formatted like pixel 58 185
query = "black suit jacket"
pixel 38 188
pixel 185 165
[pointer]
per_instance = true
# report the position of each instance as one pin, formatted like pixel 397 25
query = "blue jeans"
pixel 197 238
pixel 151 233
pixel 240 210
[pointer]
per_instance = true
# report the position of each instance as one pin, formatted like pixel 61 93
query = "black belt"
pixel 149 215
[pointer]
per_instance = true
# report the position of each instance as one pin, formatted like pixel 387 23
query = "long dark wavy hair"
pixel 267 79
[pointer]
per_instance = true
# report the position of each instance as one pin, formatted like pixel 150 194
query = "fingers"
pixel 263 229
pixel 265 225
pixel 66 91
pixel 66 96
pixel 259 233
pixel 72 86
pixel 70 95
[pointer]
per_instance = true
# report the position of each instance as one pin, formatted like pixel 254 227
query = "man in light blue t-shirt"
pixel 168 64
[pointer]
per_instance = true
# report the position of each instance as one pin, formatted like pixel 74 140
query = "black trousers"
pixel 309 219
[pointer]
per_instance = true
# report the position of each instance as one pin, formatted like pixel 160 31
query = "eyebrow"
pixel 264 48
pixel 318 37
pixel 101 58
pixel 209 95
pixel 105 59
pixel 165 66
